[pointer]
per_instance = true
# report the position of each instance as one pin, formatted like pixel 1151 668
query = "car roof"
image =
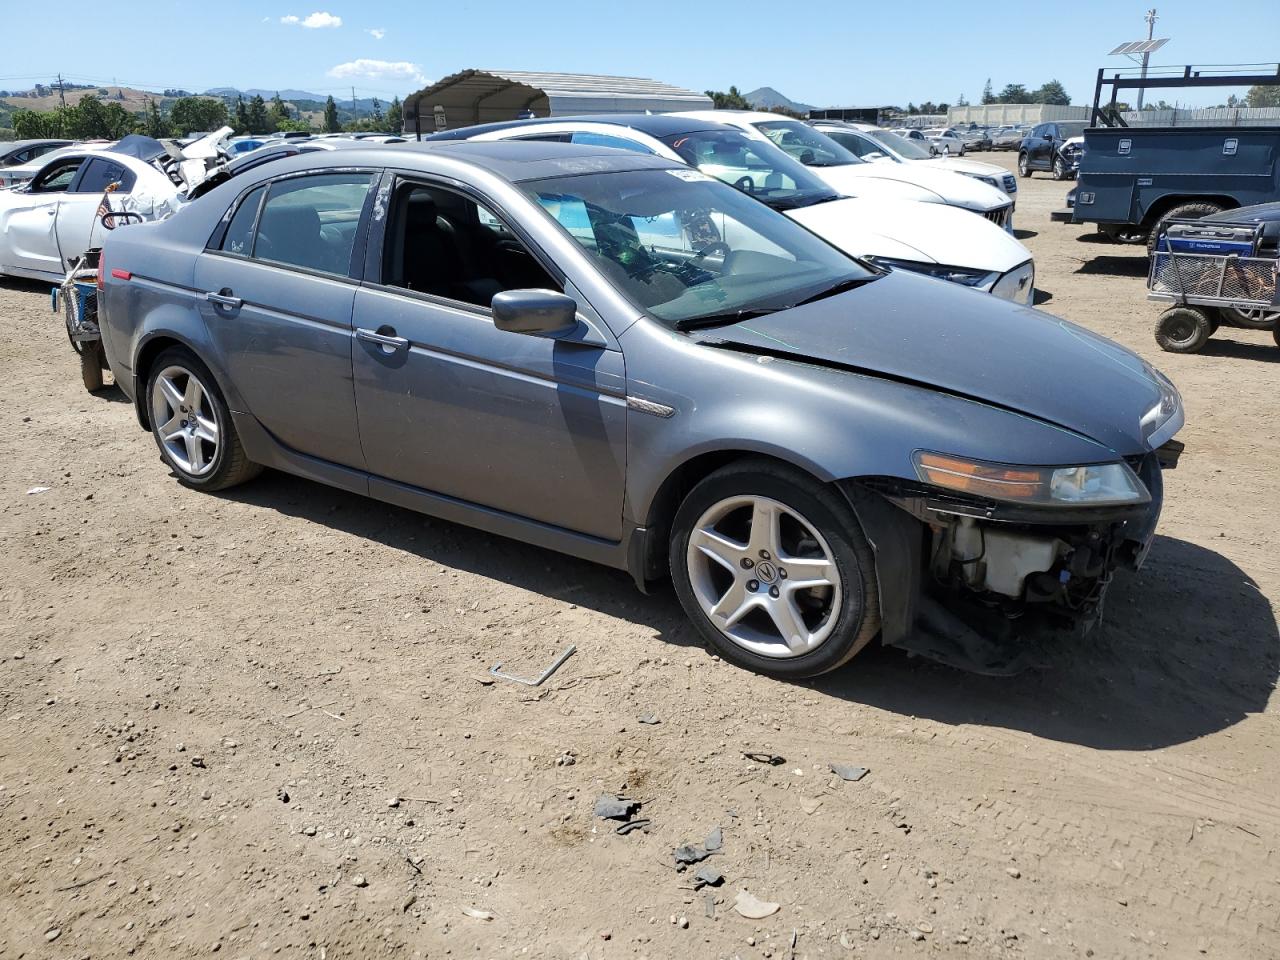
pixel 513 160
pixel 655 124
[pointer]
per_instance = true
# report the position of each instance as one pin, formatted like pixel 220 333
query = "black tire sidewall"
pixel 1193 344
pixel 1183 211
pixel 182 357
pixel 1024 166
pixel 838 526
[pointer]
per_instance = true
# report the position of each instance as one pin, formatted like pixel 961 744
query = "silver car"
pixel 618 357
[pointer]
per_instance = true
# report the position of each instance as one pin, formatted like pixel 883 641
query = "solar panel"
pixel 1138 46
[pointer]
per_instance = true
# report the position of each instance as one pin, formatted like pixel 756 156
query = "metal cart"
pixel 1211 286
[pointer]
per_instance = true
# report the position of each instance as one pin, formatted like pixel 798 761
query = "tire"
pixel 816 527
pixel 91 366
pixel 1060 171
pixel 1024 166
pixel 946 151
pixel 207 455
pixel 1275 335
pixel 1185 211
pixel 1183 330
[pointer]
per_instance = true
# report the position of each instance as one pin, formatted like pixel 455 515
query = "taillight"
pixel 121 275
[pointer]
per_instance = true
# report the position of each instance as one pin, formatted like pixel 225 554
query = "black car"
pixel 1046 148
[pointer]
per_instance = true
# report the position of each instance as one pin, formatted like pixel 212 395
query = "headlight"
pixel 989 181
pixel 981 279
pixel 1166 418
pixel 1090 486
pixel 1018 285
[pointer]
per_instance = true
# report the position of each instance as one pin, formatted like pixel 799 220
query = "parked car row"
pixel 686 382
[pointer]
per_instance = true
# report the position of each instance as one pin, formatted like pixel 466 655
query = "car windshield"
pixel 753 166
pixel 806 144
pixel 900 146
pixel 691 251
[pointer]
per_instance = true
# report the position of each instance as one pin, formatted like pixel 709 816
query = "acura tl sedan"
pixel 618 357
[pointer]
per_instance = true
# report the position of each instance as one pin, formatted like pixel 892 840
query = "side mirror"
pixel 539 313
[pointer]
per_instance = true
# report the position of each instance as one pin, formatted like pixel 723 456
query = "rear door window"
pixel 311 222
pixel 99 173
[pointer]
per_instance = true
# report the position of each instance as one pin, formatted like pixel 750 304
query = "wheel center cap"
pixel 766 571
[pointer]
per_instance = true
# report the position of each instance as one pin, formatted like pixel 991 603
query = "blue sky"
pixel 825 52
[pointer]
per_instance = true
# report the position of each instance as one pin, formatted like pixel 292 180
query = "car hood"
pixel 961 165
pixel 906 230
pixel 948 186
pixel 934 334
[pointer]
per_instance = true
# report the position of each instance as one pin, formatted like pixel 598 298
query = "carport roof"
pixel 483 96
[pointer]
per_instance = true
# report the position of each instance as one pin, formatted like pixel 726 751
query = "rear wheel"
pixel 1183 330
pixel 1185 211
pixel 1259 318
pixel 1275 335
pixel 192 424
pixel 774 570
pixel 1024 166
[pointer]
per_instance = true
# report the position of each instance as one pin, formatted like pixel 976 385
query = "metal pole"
pixel 1146 56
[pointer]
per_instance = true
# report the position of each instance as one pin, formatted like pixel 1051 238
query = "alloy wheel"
pixel 1256 318
pixel 188 427
pixel 764 576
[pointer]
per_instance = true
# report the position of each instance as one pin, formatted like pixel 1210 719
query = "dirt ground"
pixel 208 705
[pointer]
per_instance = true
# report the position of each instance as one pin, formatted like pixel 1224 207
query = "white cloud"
pixel 392 70
pixel 313 21
pixel 376 32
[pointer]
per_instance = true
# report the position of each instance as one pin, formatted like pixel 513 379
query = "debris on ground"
pixel 760 756
pixel 609 807
pixel 753 908
pixel 689 854
pixel 475 914
pixel 649 718
pixel 715 839
pixel 846 772
pixel 37 490
pixel 707 877
pixel 637 824
pixel 496 670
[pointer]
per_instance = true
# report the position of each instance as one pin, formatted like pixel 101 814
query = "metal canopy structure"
pixel 485 96
pixel 1170 78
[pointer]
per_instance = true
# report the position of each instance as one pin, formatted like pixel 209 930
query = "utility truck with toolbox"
pixel 1134 181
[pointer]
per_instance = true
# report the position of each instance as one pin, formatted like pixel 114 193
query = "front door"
pixel 276 296
pixel 31 228
pixel 450 404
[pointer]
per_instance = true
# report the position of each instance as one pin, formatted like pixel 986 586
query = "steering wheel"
pixel 745 184
pixel 719 247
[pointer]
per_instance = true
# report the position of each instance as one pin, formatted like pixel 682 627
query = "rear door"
pixel 78 208
pixel 30 238
pixel 276 291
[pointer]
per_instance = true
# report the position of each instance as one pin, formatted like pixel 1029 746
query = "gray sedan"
pixel 616 357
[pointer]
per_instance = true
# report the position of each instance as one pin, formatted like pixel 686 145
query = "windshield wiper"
pixel 720 319
pixel 848 284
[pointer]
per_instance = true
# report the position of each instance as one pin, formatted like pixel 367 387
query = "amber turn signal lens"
pixel 985 479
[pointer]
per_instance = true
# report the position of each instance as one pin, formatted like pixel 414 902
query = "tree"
pixel 35 124
pixel 258 122
pixel 732 100
pixel 278 113
pixel 961 101
pixel 987 95
pixel 331 124
pixel 1014 93
pixel 395 116
pixel 1052 93
pixel 153 121
pixel 1263 97
pixel 241 123
pixel 192 114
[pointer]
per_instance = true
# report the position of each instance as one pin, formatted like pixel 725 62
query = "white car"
pixel 917 137
pixel 878 145
pixel 22 172
pixel 854 177
pixel 48 222
pixel 929 238
pixel 946 142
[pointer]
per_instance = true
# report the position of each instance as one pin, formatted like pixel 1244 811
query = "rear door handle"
pixel 384 337
pixel 223 299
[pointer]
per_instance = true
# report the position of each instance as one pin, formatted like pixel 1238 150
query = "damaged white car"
pixel 47 222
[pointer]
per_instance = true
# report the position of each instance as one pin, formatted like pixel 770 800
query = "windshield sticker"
pixel 689 176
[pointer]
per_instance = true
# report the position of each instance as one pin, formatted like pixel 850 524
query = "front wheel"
pixel 774 570
pixel 1060 169
pixel 192 425
pixel 1024 166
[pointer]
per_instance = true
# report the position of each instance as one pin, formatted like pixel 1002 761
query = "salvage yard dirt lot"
pixel 209 703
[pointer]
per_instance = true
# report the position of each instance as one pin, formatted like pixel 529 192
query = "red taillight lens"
pixel 121 275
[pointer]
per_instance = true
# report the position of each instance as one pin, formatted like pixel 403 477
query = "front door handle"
pixel 384 337
pixel 223 298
